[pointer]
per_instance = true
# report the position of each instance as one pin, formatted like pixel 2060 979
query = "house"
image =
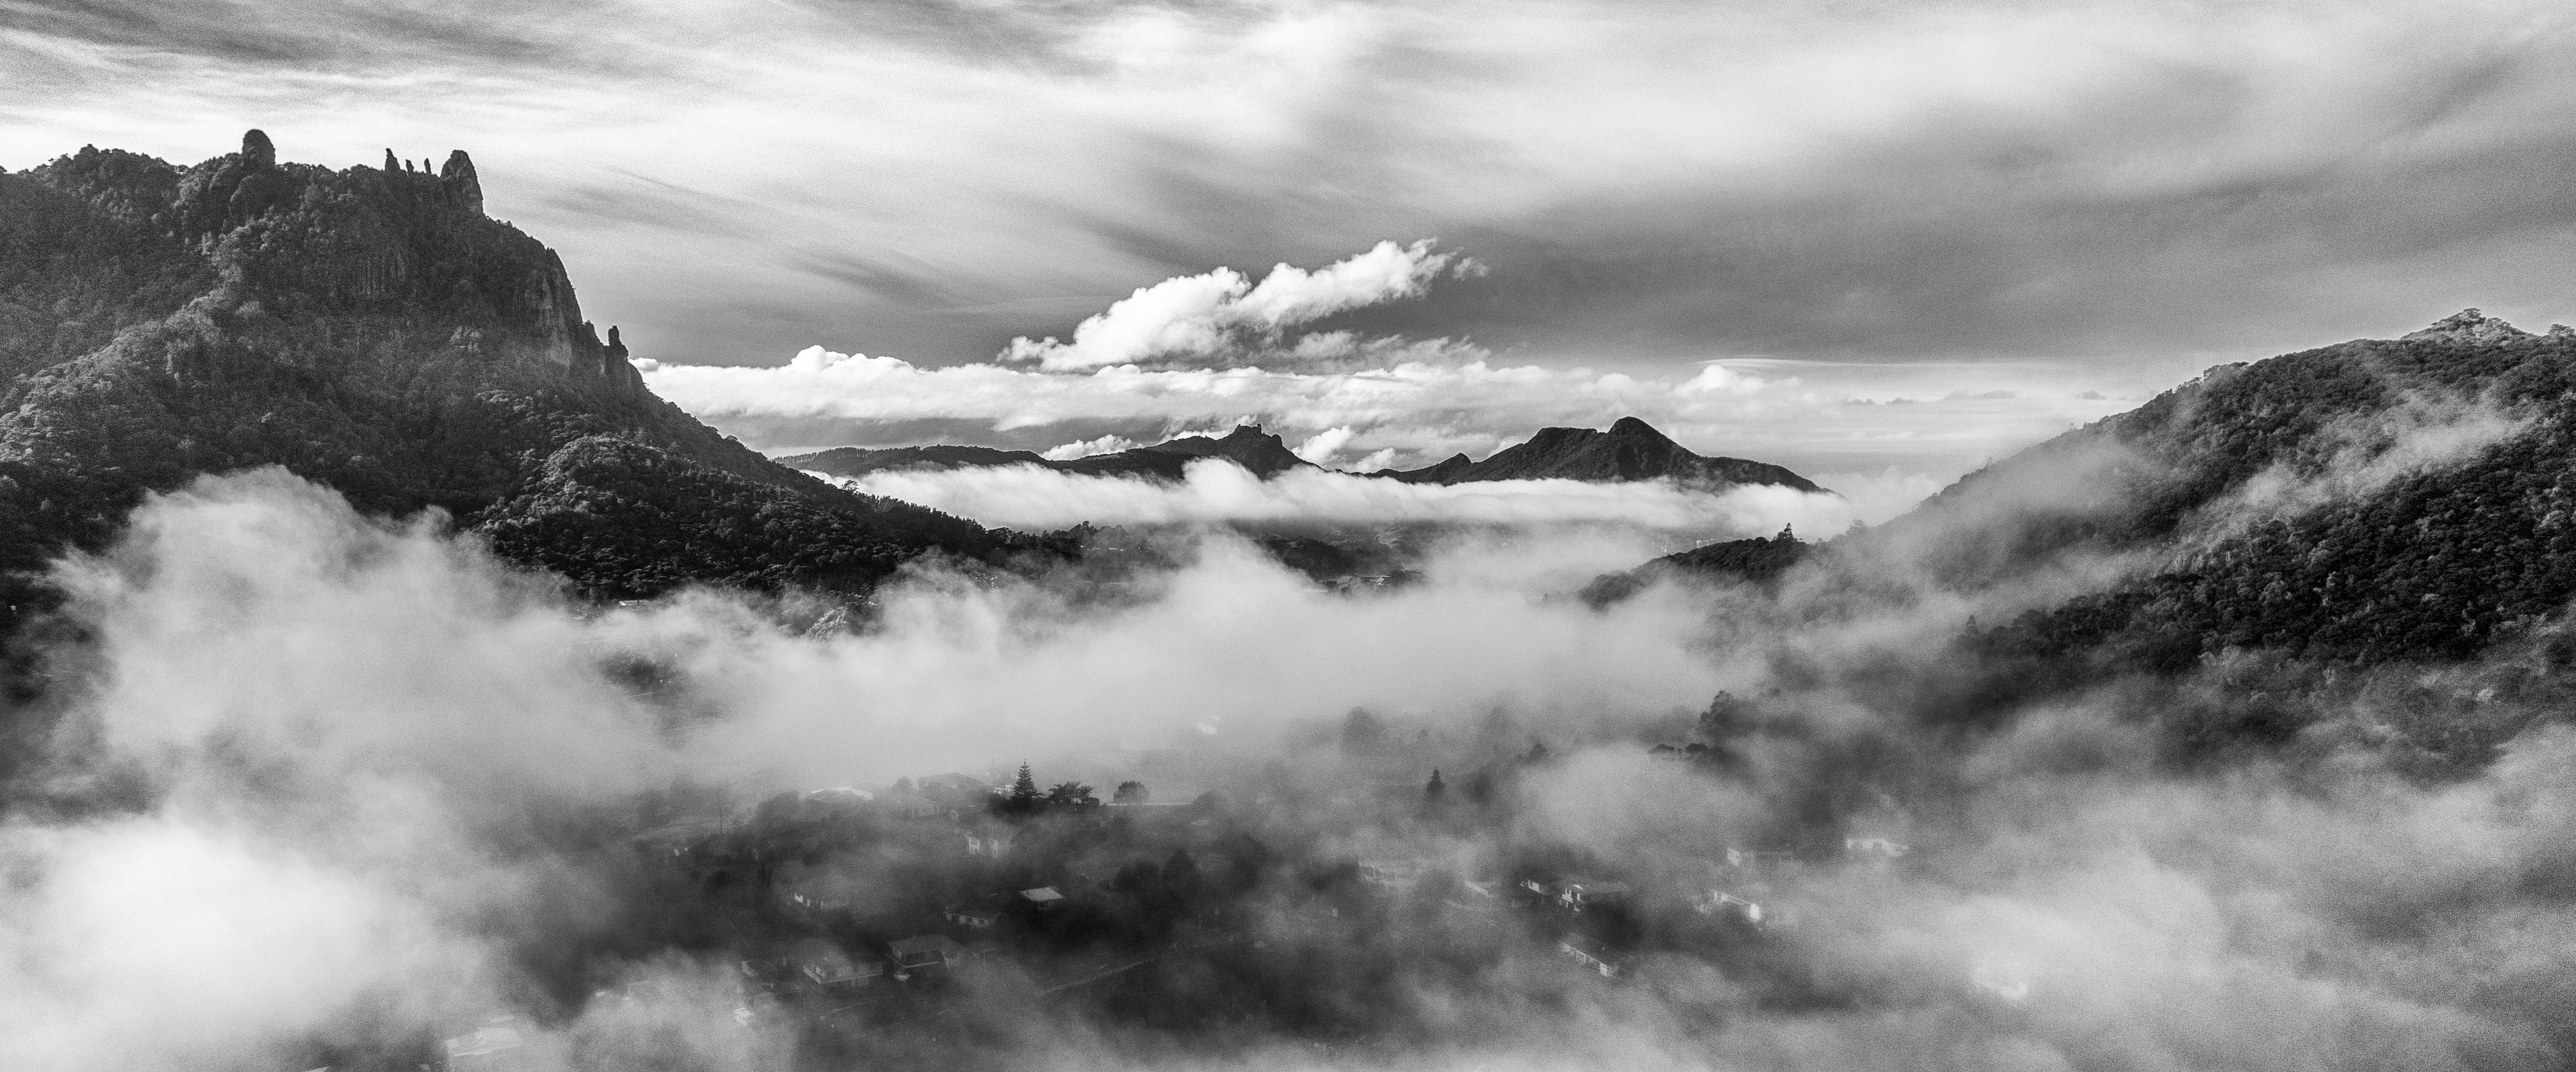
pixel 495 1046
pixel 840 794
pixel 1575 895
pixel 1393 876
pixel 1875 850
pixel 953 782
pixel 990 839
pixel 970 916
pixel 1727 905
pixel 1044 897
pixel 924 952
pixel 1590 954
pixel 1760 859
pixel 756 1008
pixel 910 805
pixel 826 967
pixel 1476 895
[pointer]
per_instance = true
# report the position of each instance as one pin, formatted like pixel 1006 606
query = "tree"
pixel 1437 788
pixel 1362 731
pixel 1070 795
pixel 1130 793
pixel 1023 797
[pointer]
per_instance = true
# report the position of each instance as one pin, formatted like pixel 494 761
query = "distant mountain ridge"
pixel 1248 446
pixel 1630 450
pixel 371 329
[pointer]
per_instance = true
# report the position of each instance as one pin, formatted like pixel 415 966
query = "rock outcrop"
pixel 374 330
pixel 2467 326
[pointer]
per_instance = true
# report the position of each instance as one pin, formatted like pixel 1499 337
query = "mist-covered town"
pixel 952 903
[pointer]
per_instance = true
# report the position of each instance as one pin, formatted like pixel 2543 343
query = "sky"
pixel 1857 238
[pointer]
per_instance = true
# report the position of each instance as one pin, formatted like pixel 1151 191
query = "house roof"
pixel 484 1040
pixel 819 953
pixel 927 943
pixel 954 780
pixel 1042 894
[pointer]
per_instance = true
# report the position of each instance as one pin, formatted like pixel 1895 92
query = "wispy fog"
pixel 329 790
pixel 1218 491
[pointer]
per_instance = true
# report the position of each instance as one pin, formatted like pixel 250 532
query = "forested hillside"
pixel 2376 500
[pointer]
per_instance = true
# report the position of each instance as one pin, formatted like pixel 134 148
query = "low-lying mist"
pixel 1217 491
pixel 330 790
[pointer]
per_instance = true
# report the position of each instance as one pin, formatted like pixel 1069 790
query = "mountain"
pixel 1630 450
pixel 371 329
pixel 2406 500
pixel 1248 446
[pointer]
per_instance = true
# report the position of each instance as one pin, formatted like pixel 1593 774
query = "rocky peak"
pixel 461 185
pixel 1631 426
pixel 2469 326
pixel 256 150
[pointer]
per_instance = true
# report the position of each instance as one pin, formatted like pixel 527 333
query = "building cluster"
pixel 1743 894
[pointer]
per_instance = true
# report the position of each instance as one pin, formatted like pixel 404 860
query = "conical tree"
pixel 1437 788
pixel 1024 791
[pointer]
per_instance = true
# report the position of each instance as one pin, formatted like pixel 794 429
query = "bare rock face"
pixel 256 150
pixel 2469 326
pixel 462 187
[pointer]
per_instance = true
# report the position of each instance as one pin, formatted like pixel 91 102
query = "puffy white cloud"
pixel 1325 444
pixel 1084 448
pixel 1203 317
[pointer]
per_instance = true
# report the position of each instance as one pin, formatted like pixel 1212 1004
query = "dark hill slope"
pixel 372 329
pixel 1248 446
pixel 860 461
pixel 1756 560
pixel 1630 450
pixel 2377 500
pixel 2428 563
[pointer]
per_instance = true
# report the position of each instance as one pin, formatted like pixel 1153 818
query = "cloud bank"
pixel 329 787
pixel 1218 492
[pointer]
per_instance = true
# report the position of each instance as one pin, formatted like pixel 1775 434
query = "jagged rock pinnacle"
pixel 256 149
pixel 458 177
pixel 390 165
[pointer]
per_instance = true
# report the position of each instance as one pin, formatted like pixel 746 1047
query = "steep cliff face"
pixel 372 329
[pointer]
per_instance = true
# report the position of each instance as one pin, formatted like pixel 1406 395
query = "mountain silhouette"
pixel 1630 450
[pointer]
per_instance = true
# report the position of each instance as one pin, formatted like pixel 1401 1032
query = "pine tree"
pixel 1437 788
pixel 1024 791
